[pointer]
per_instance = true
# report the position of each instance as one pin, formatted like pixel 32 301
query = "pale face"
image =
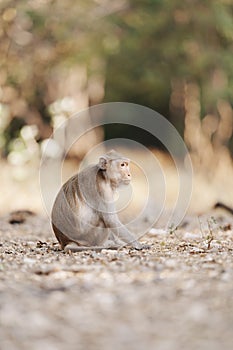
pixel 118 171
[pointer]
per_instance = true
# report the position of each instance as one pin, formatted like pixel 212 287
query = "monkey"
pixel 84 215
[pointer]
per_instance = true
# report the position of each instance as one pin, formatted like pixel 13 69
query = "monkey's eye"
pixel 122 165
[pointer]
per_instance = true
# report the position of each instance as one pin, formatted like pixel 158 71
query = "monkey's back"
pixel 74 215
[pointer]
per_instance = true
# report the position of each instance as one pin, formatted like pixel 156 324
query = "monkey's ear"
pixel 103 163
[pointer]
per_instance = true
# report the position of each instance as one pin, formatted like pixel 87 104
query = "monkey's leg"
pixel 113 240
pixel 120 231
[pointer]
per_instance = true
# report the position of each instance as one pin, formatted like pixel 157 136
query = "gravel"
pixel 177 294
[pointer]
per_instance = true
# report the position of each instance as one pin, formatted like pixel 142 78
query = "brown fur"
pixel 84 212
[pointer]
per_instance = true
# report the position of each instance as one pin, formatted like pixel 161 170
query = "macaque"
pixel 84 215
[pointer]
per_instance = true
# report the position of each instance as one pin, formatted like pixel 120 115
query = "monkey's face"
pixel 118 172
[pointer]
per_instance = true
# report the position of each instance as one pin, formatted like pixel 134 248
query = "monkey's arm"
pixel 120 231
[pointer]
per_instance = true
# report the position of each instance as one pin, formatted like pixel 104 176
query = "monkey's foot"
pixel 146 246
pixel 140 246
pixel 110 244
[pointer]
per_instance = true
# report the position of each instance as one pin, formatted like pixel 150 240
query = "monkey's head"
pixel 115 168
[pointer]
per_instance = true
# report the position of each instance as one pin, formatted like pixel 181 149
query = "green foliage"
pixel 144 46
pixel 162 40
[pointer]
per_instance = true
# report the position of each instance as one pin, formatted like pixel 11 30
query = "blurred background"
pixel 59 57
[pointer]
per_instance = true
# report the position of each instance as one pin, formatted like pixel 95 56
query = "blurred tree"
pixel 156 47
pixel 40 42
pixel 147 52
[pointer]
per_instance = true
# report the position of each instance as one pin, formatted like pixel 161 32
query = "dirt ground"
pixel 176 295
